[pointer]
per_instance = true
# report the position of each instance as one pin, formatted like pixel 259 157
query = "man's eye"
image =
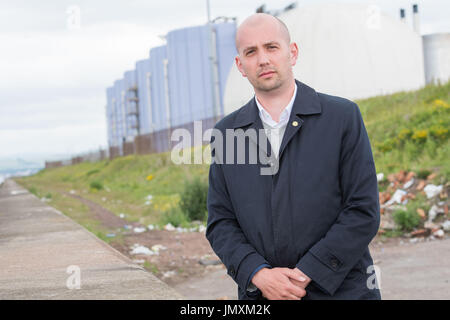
pixel 249 52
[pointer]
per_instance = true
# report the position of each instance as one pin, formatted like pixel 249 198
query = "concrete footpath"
pixel 46 255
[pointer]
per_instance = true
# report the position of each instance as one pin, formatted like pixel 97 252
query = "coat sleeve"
pixel 225 234
pixel 329 260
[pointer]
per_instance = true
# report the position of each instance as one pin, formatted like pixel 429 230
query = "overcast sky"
pixel 54 75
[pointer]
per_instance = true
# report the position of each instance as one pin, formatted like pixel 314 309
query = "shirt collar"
pixel 284 117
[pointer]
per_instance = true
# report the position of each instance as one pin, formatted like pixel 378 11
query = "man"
pixel 302 231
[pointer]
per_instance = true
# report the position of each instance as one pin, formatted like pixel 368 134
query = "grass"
pixel 153 268
pixel 407 130
pixel 410 130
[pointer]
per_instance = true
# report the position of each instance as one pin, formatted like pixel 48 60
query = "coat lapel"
pixel 250 115
pixel 306 103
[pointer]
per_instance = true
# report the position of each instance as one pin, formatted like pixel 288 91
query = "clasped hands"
pixel 281 283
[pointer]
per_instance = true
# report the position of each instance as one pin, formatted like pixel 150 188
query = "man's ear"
pixel 293 49
pixel 239 66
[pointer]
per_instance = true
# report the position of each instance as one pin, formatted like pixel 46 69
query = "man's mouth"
pixel 266 74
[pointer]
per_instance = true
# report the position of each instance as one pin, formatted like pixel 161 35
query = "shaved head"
pixel 266 55
pixel 257 20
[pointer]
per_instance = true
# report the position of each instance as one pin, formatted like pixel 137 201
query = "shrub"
pixel 34 190
pixel 420 136
pixel 193 199
pixel 92 172
pixel 406 220
pixel 423 173
pixel 96 185
pixel 175 216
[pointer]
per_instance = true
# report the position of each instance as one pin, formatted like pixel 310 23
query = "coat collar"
pixel 306 102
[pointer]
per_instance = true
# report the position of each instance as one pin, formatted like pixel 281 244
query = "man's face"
pixel 265 56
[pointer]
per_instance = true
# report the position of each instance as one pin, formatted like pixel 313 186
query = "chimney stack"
pixel 402 15
pixel 416 21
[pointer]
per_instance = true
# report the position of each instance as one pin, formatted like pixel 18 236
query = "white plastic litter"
pixel 149 200
pixel 408 184
pixel 380 177
pixel 169 227
pixel 446 225
pixel 431 190
pixel 142 250
pixel 15 192
pixel 139 229
pixel 434 211
pixel 157 247
pixel 397 197
pixel 439 233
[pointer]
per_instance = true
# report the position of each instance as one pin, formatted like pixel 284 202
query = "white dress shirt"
pixel 275 130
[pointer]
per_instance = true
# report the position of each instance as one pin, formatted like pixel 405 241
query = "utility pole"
pixel 214 65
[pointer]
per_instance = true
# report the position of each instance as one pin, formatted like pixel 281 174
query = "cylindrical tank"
pixel 436 50
pixel 189 70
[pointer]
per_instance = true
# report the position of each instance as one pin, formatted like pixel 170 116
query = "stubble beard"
pixel 267 85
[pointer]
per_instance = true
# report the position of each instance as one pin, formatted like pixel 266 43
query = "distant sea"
pixel 5 174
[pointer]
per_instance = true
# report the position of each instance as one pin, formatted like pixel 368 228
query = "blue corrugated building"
pixel 144 99
pixel 110 124
pixel 174 86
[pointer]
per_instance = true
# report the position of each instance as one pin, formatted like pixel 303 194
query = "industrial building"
pixel 181 82
pixel 353 51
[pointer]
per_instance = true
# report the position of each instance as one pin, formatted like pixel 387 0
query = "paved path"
pixel 409 271
pixel 42 253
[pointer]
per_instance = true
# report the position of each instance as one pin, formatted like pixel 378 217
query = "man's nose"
pixel 263 59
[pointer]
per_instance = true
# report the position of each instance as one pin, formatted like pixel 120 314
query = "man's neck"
pixel 275 101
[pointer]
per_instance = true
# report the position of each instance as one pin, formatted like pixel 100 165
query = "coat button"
pixel 294 123
pixel 232 272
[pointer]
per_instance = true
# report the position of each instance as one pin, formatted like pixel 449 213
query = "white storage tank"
pixel 436 50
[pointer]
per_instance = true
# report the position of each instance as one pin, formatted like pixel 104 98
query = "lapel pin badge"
pixel 294 123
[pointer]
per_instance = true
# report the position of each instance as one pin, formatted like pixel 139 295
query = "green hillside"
pixel 408 131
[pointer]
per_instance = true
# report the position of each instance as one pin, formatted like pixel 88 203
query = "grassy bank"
pixel 410 130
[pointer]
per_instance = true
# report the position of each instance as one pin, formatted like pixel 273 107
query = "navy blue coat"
pixel 318 212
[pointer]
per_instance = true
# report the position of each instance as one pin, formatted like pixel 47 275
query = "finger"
pixel 294 274
pixel 298 283
pixel 297 291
